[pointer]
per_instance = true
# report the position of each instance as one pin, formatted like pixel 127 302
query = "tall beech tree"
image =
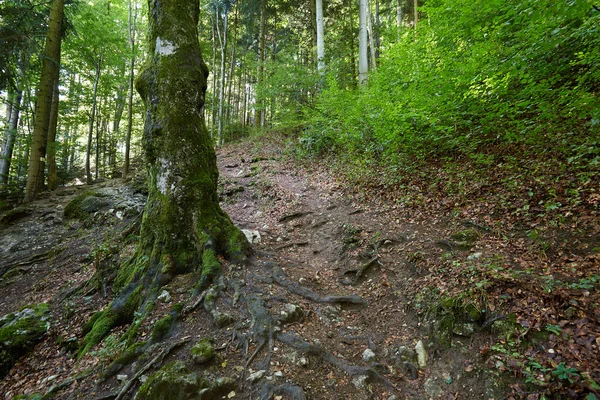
pixel 43 108
pixel 183 226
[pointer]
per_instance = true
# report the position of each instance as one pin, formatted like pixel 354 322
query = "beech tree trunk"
pixel 132 31
pixel 11 134
pixel 183 227
pixel 50 66
pixel 223 45
pixel 88 154
pixel 363 59
pixel 320 36
pixel 51 147
pixel 259 115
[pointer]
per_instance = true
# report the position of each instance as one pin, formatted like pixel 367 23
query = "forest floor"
pixel 342 287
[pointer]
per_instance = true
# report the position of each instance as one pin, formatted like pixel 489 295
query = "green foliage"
pixel 483 75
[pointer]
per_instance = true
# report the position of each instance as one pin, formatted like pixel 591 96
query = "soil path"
pixel 322 309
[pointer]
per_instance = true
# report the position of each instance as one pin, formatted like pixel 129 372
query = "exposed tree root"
pixel 353 370
pixel 279 277
pixel 158 359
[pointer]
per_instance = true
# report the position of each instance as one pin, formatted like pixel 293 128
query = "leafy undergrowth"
pixel 534 271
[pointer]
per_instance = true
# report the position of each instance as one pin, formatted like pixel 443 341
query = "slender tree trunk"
pixel 363 59
pixel 245 100
pixel 313 26
pixel 232 65
pixel 223 43
pixel 416 7
pixel 213 106
pixel 320 37
pixel 88 169
pixel 399 17
pixel 98 137
pixel 51 149
pixel 259 115
pixel 50 66
pixel 377 30
pixel 183 227
pixel 351 39
pixel 132 31
pixel 11 134
pixel 371 36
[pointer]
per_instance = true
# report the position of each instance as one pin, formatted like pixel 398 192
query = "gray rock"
pixel 223 319
pixel 253 236
pixel 360 381
pixel 407 354
pixel 421 354
pixel 432 388
pixel 173 381
pixel 256 375
pixel 291 313
pixel 474 256
pixel 165 297
pixel 20 332
pixel 368 355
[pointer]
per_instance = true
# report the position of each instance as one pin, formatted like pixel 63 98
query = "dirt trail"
pixel 322 309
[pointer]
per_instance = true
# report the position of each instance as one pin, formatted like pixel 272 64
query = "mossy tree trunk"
pixel 183 227
pixel 50 69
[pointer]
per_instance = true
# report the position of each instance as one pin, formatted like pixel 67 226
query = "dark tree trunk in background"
pixel 51 147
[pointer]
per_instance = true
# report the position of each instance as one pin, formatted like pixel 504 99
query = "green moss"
pixel 469 236
pixel 203 351
pixel 128 271
pixel 85 204
pixel 119 312
pixel 174 381
pixel 14 215
pixel 161 328
pixel 87 327
pixel 129 355
pixel 20 331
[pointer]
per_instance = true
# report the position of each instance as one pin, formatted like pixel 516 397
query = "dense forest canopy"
pixel 446 78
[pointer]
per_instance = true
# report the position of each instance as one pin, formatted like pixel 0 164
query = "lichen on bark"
pixel 183 228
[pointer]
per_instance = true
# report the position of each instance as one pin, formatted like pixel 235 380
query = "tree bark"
pixel 320 37
pixel 50 66
pixel 363 59
pixel 88 169
pixel 11 134
pixel 223 44
pixel 416 9
pixel 51 147
pixel 183 227
pixel 259 115
pixel 371 36
pixel 132 31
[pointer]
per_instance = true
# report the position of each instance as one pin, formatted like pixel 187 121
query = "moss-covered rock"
pixel 466 237
pixel 85 204
pixel 20 332
pixel 174 381
pixel 161 328
pixel 203 352
pixel 14 215
pixel 218 388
